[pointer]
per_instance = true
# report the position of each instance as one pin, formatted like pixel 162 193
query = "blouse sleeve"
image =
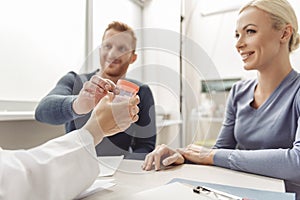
pixel 282 163
pixel 226 138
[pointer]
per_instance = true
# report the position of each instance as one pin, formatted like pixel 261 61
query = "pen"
pixel 219 194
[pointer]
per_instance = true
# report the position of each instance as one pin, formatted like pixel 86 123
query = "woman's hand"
pixel 198 154
pixel 162 154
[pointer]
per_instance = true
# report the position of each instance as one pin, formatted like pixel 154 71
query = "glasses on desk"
pixel 215 194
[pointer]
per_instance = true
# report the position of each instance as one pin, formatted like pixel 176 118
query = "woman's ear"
pixel 287 33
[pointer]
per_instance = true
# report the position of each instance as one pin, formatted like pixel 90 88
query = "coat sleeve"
pixel 59 169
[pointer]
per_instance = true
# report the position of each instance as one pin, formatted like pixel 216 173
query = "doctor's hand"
pixel 164 155
pixel 198 154
pixel 91 93
pixel 109 118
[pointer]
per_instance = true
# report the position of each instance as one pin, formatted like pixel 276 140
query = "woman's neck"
pixel 270 77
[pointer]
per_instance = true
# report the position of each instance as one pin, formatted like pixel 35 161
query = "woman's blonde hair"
pixel 281 13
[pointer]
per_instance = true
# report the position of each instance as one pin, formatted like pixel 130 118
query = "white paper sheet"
pixel 97 186
pixel 109 164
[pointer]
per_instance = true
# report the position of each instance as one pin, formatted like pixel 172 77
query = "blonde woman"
pixel 260 133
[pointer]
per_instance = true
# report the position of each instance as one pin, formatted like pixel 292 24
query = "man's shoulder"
pixel 75 74
pixel 80 76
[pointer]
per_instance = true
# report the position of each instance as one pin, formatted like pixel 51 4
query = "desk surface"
pixel 130 178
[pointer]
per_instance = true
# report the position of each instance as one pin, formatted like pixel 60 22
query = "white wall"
pixel 40 41
pixel 161 48
pixel 295 56
pixel 161 22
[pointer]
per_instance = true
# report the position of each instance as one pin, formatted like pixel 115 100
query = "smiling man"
pixel 75 96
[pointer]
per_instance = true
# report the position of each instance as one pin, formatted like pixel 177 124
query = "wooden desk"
pixel 131 179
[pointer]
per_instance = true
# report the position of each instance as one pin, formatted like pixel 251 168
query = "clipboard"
pixel 183 189
pixel 239 191
pixel 172 191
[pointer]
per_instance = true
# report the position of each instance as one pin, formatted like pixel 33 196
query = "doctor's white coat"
pixel 59 169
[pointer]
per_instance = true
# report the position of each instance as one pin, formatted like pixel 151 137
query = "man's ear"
pixel 133 58
pixel 287 33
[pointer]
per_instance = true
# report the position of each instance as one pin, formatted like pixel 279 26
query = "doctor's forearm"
pixel 45 172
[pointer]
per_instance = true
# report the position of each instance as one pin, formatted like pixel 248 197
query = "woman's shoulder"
pixel 244 85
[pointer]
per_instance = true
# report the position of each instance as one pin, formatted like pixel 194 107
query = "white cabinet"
pixel 27 133
pixel 19 129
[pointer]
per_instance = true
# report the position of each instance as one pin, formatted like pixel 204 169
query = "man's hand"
pixel 91 93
